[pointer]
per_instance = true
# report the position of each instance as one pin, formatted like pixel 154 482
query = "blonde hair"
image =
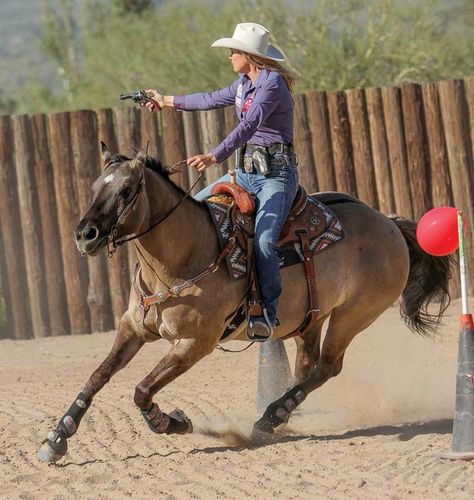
pixel 265 63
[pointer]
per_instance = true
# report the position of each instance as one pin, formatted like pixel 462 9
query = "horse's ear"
pixel 141 153
pixel 139 159
pixel 105 151
pixel 140 156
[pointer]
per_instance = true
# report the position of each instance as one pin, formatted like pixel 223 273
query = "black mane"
pixel 152 163
pixel 155 165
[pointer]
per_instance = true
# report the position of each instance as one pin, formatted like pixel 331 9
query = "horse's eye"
pixel 125 193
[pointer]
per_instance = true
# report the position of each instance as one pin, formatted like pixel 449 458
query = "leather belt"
pixel 276 148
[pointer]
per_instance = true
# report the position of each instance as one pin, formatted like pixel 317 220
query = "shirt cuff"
pixel 179 102
pixel 221 153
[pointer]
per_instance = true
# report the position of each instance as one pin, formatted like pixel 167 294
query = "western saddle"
pixel 304 223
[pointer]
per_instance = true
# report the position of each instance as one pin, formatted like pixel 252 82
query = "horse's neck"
pixel 184 243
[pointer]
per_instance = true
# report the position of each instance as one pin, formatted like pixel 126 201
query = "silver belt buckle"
pixel 248 163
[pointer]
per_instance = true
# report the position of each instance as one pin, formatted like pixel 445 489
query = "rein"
pixel 146 301
pixel 112 243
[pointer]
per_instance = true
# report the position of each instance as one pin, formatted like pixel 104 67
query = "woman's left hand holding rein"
pixel 201 162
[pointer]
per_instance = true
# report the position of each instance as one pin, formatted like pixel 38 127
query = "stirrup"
pixel 259 328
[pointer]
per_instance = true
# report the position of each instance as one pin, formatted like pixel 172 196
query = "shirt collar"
pixel 261 77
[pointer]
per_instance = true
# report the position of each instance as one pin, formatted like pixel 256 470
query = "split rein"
pixel 146 301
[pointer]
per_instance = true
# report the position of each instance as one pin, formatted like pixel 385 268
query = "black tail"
pixel 428 279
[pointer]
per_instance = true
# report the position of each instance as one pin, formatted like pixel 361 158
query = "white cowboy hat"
pixel 253 39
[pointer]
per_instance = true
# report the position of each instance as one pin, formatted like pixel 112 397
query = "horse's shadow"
pixel 405 432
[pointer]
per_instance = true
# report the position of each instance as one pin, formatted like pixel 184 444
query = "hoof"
pixel 54 446
pixel 261 435
pixel 48 455
pixel 179 423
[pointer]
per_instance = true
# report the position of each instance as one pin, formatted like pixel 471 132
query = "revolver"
pixel 138 97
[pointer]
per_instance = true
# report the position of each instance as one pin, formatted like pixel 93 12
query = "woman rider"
pixel 264 106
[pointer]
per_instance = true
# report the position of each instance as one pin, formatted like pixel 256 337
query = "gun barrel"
pixel 126 96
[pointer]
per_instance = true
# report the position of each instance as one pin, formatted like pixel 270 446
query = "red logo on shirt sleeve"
pixel 247 104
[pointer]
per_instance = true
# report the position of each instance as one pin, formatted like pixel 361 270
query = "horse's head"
pixel 116 193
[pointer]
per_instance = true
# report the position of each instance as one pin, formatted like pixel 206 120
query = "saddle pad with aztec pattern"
pixel 290 253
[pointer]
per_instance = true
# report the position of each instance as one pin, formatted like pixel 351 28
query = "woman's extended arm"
pixel 198 101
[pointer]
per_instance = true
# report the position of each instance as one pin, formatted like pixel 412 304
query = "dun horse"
pixel 358 279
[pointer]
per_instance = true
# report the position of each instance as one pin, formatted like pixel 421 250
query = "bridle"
pixel 112 242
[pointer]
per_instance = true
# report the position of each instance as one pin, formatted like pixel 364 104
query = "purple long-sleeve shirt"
pixel 264 110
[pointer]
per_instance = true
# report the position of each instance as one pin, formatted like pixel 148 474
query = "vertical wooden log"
pixel 192 140
pixel 75 267
pixel 397 151
pixel 212 128
pixel 417 152
pixel 119 278
pixel 150 133
pixel 469 89
pixel 106 131
pixel 53 264
pixel 127 121
pixel 174 144
pixel 230 122
pixel 31 225
pixel 454 110
pixel 318 122
pixel 361 150
pixel 85 143
pixel 230 119
pixel 341 143
pixel 378 140
pixel 303 146
pixel 441 193
pixel 15 280
pixel 7 325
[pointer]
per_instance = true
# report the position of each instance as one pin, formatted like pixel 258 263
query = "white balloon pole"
pixel 462 447
pixel 462 264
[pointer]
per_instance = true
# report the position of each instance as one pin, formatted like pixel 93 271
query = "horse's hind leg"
pixel 307 352
pixel 345 323
pixel 179 359
pixel 126 345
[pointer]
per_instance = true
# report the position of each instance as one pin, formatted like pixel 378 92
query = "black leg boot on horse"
pixel 124 349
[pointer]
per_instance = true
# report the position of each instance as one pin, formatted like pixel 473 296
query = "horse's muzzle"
pixel 88 239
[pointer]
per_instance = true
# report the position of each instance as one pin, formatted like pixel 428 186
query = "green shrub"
pixel 330 44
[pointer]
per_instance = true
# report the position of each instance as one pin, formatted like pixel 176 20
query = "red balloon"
pixel 437 231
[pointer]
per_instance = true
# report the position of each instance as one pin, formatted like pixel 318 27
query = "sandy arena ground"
pixel 373 432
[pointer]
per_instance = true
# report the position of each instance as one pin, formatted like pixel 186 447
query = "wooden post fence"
pixel 400 149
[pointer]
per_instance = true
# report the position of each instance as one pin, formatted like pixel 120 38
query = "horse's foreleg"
pixel 126 345
pixel 180 358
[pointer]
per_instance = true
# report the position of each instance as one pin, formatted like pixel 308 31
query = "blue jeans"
pixel 274 195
